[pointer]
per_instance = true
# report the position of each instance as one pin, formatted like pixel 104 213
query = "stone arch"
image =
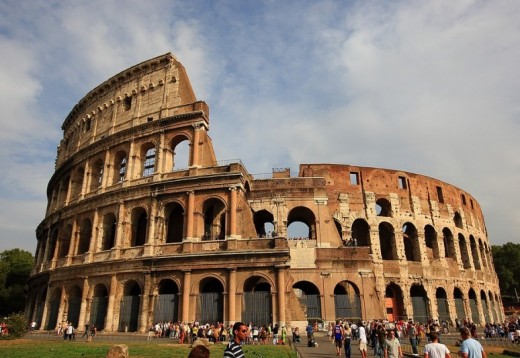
pixel 129 307
pixel 387 241
pixel 442 304
pixel 85 235
pixel 464 255
pixel 305 216
pixel 394 302
pixel 257 303
pixel 457 220
pixel 166 307
pixel 449 243
pixel 360 233
pixel 210 301
pixel 308 296
pixel 54 307
pixel 432 244
pixel 65 240
pixel 214 213
pixel 459 303
pixel 485 306
pixel 52 243
pixel 383 207
pixel 148 159
pixel 74 305
pixel 120 167
pixel 99 306
pixel 472 296
pixel 139 226
pixel 180 152
pixel 420 303
pixel 347 301
pixel 76 179
pixel 411 242
pixel 483 254
pixel 97 169
pixel 474 253
pixel 109 231
pixel 261 219
pixel 174 213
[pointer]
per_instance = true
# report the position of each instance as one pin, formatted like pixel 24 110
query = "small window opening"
pixel 87 125
pixel 128 103
pixel 401 181
pixel 150 119
pixel 122 170
pixel 463 198
pixel 439 195
pixel 149 163
pixel 354 178
pixel 471 203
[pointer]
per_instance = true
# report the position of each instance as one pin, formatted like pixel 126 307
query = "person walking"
pixel 347 341
pixel 339 334
pixel 86 333
pixel 436 349
pixel 234 348
pixel 470 347
pixel 393 347
pixel 362 336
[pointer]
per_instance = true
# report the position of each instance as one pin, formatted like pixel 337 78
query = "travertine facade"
pixel 131 236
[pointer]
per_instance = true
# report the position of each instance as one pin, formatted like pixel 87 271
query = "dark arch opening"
pixel 98 307
pixel 383 207
pixel 308 296
pixel 167 303
pixel 394 303
pixel 210 302
pixel 261 218
pixel 360 233
pixel 257 301
pixel 387 242
pixel 175 231
pixel 129 309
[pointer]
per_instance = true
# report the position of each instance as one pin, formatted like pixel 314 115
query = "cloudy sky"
pixel 430 87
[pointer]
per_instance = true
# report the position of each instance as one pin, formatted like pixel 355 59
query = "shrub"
pixel 16 325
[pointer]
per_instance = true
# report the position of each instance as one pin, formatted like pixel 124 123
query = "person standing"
pixel 436 349
pixel 347 341
pixel 234 348
pixel 339 334
pixel 412 335
pixel 470 347
pixel 362 336
pixel 86 333
pixel 393 347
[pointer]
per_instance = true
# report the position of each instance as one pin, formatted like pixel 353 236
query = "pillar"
pixel 232 289
pixel 143 314
pixel 280 276
pixel 232 212
pixel 109 327
pixel 83 307
pixel 195 146
pixel 43 323
pixel 119 231
pixel 189 215
pixel 186 296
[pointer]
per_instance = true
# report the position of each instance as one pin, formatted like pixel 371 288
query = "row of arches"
pixel 448 307
pixel 120 164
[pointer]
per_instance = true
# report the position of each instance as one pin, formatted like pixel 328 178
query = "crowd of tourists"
pixel 189 332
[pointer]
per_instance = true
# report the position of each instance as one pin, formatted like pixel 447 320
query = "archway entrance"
pixel 394 303
pixel 421 311
pixel 99 306
pixel 54 307
pixel 129 311
pixel 210 303
pixel 308 296
pixel 257 307
pixel 346 301
pixel 167 302
pixel 442 305
pixel 74 305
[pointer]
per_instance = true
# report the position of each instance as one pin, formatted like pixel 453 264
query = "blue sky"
pixel 430 87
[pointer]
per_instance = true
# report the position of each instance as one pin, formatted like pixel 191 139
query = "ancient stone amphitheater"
pixel 134 234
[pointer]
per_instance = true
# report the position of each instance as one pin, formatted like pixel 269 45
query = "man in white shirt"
pixel 362 340
pixel 436 349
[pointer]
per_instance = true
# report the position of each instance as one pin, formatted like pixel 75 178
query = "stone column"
pixel 130 164
pixel 232 289
pixel 116 250
pixel 150 239
pixel 85 185
pixel 83 307
pixel 73 240
pixel 186 296
pixel 280 278
pixel 190 214
pixel 143 314
pixel 94 236
pixel 106 171
pixel 161 153
pixel 195 146
pixel 64 306
pixel 232 212
pixel 46 303
pixel 109 326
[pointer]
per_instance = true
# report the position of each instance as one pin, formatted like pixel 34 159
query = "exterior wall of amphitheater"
pixel 132 236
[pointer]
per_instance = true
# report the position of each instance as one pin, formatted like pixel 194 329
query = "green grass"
pixel 45 349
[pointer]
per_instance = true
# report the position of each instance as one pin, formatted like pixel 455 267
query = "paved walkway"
pixel 324 348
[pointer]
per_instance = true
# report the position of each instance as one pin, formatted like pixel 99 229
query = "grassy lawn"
pixel 23 348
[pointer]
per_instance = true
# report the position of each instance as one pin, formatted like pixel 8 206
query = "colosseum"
pixel 133 234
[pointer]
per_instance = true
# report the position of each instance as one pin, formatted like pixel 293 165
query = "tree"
pixel 15 269
pixel 507 267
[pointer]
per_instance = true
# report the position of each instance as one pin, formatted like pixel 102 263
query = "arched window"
pixel 149 162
